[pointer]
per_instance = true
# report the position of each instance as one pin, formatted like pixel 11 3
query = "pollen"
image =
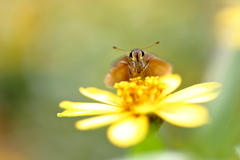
pixel 138 91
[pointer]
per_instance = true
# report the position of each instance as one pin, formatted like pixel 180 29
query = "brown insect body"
pixel 137 64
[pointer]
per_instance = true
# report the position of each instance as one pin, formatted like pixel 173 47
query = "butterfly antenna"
pixel 120 49
pixel 152 45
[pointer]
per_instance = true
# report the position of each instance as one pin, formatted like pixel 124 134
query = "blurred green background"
pixel 48 49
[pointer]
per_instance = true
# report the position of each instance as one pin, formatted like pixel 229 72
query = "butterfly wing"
pixel 118 73
pixel 158 67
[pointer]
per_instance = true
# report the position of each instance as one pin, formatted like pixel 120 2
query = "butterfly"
pixel 137 64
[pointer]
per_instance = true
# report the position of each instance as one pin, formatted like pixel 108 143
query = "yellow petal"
pixel 146 108
pixel 100 121
pixel 129 131
pixel 101 95
pixel 75 113
pixel 184 115
pixel 82 106
pixel 199 93
pixel 172 82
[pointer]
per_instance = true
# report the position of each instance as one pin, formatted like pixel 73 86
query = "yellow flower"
pixel 129 111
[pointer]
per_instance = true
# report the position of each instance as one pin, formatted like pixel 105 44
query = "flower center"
pixel 139 92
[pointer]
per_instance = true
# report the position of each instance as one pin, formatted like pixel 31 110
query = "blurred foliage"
pixel 48 49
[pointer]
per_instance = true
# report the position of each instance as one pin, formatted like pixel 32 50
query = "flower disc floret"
pixel 137 92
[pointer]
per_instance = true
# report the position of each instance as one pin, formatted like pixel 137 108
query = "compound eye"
pixel 130 55
pixel 142 53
